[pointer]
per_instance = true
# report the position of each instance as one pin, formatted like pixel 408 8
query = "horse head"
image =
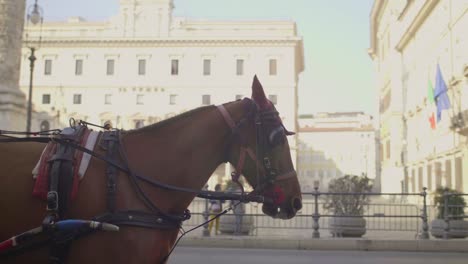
pixel 270 170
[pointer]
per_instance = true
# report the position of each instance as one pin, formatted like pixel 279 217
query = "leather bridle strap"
pixel 227 117
pixel 240 163
pixel 247 150
pixel 243 150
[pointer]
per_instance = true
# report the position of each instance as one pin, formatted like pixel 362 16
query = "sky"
pixel 338 73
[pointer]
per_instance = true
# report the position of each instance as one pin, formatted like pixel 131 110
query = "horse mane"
pixel 168 121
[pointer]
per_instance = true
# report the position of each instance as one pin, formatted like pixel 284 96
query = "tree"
pixel 341 204
pixel 456 203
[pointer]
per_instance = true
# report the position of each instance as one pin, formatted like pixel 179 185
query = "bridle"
pixel 266 140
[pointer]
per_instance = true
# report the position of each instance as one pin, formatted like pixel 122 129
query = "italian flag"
pixel 431 107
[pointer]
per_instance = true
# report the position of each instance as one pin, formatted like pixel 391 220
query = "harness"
pixel 62 232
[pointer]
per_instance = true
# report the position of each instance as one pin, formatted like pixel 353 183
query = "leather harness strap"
pixel 110 143
pixel 60 184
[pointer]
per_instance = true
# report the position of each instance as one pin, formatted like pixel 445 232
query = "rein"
pixel 155 183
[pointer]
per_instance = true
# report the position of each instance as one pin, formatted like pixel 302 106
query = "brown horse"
pixel 182 151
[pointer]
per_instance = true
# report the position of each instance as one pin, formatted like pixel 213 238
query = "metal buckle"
pixel 267 163
pixel 52 201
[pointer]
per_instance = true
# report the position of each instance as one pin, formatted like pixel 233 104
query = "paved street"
pixel 192 255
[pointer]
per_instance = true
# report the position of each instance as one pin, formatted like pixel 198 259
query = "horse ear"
pixel 258 95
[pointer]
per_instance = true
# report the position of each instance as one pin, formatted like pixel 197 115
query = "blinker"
pixel 276 136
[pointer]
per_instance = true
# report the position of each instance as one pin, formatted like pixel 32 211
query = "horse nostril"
pixel 297 203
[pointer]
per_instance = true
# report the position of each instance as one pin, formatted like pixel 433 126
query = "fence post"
pixel 206 214
pixel 446 215
pixel 316 216
pixel 424 234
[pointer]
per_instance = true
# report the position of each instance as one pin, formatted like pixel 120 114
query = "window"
pixel 172 99
pixel 46 99
pixel 45 125
pixel 108 99
pixel 387 149
pixel 139 123
pixel 77 99
pixel 206 67
pixel 273 98
pixel 438 175
pixel 420 179
pixel 106 123
pixel 139 99
pixel 141 67
pixel 429 177
pixel 206 99
pixel 240 67
pixel 239 97
pixel 272 67
pixel 381 151
pixel 174 67
pixel 448 174
pixel 78 67
pixel 110 67
pixel 458 174
pixel 47 67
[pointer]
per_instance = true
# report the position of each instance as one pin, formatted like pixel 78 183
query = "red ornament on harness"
pixel 276 194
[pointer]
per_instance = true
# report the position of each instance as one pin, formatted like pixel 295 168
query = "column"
pixel 453 169
pixel 12 100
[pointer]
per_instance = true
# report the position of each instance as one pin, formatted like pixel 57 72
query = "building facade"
pixel 410 40
pixel 144 65
pixel 331 145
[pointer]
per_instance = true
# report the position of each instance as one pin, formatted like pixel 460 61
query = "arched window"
pixel 139 123
pixel 107 124
pixel 45 125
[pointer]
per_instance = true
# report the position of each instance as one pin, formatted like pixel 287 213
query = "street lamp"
pixel 35 16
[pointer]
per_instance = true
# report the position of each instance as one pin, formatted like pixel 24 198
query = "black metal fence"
pixel 386 212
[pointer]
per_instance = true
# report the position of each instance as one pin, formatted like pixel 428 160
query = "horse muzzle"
pixel 285 210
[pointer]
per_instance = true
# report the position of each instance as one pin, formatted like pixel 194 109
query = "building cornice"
pixel 375 14
pixel 422 15
pixel 337 129
pixel 171 42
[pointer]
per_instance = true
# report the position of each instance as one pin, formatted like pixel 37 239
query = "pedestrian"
pixel 238 211
pixel 215 208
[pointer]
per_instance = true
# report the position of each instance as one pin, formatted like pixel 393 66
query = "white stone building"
pixel 409 38
pixel 331 145
pixel 144 65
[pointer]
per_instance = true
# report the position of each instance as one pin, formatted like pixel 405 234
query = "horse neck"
pixel 183 153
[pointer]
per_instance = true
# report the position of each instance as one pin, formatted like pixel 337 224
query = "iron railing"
pixel 386 212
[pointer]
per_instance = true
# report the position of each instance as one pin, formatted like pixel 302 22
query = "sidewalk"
pixel 366 244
